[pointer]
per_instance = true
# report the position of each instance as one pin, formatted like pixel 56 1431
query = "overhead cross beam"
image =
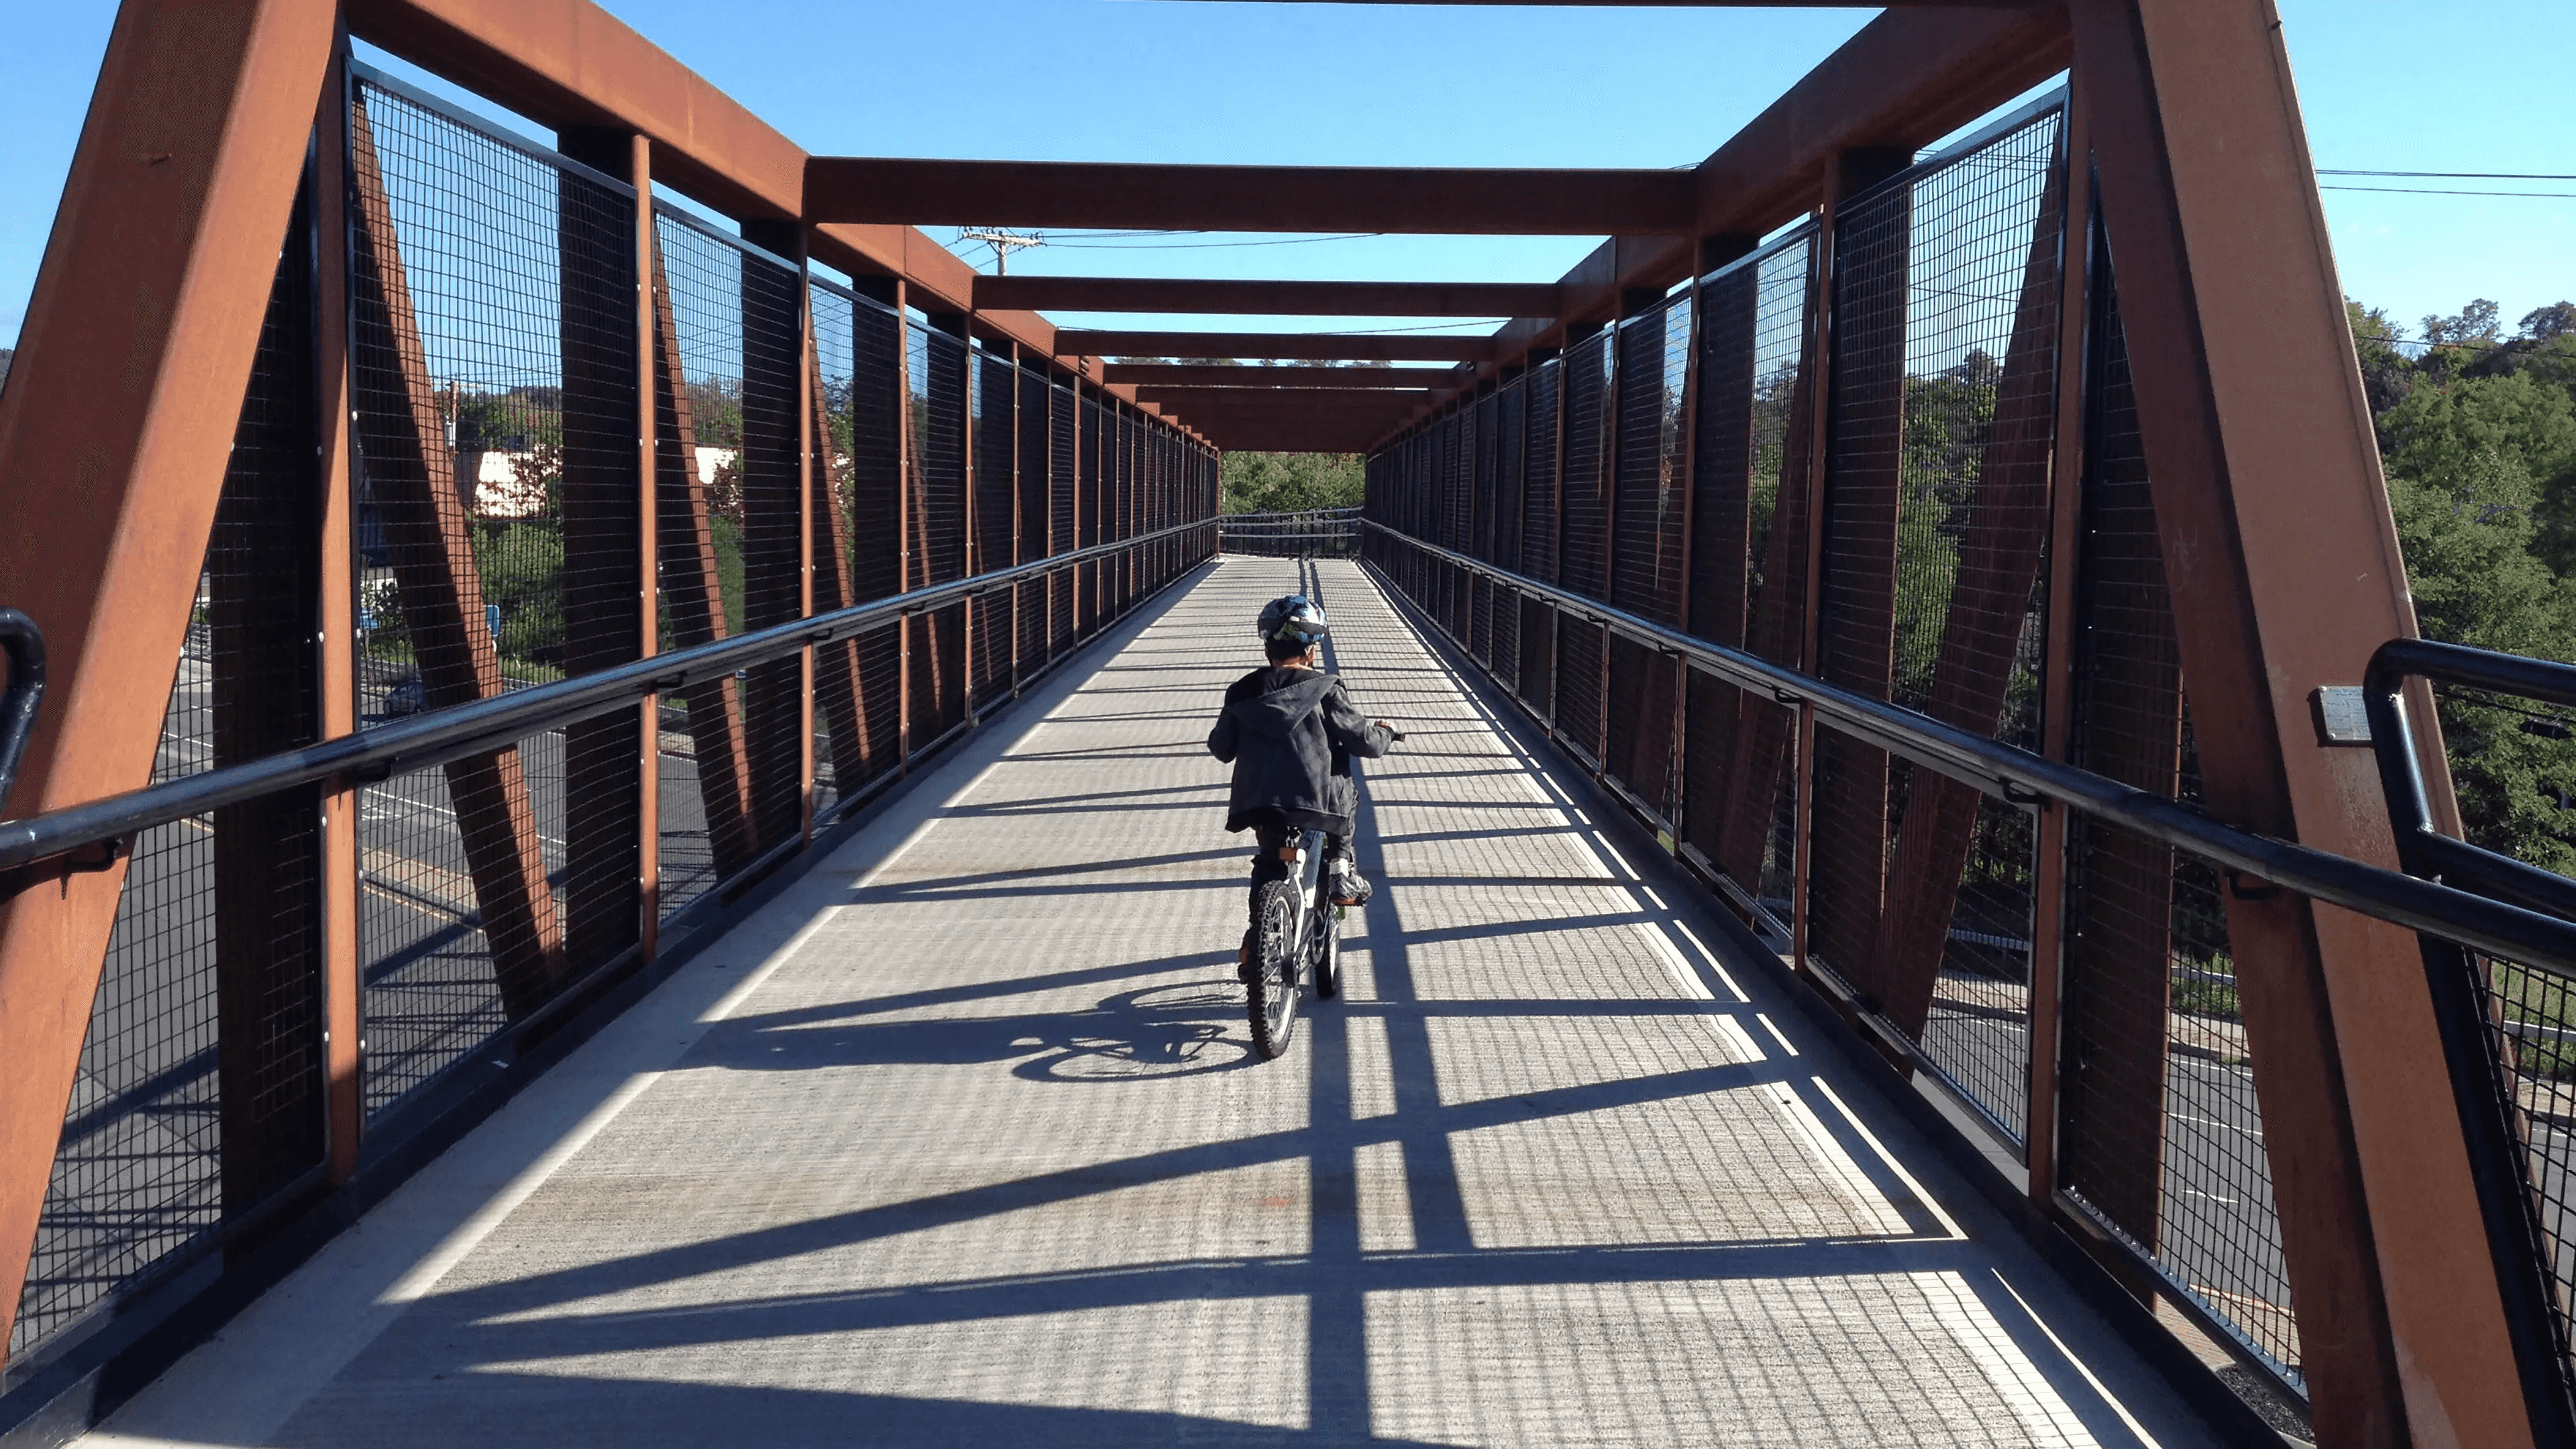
pixel 1169 376
pixel 1306 346
pixel 1245 298
pixel 1441 201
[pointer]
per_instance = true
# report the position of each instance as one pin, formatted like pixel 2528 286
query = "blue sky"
pixel 2447 86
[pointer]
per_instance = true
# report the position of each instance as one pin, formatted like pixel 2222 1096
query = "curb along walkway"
pixel 961 1141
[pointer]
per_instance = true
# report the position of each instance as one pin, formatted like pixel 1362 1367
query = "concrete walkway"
pixel 961 1141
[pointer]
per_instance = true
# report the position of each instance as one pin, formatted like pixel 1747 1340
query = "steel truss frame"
pixel 211 117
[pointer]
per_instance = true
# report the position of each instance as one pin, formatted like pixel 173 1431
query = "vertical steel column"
pixel 906 449
pixel 648 562
pixel 809 417
pixel 972 545
pixel 1817 375
pixel 603 499
pixel 337 638
pixel 2057 678
pixel 263 600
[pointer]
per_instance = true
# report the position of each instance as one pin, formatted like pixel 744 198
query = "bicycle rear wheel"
pixel 1272 1005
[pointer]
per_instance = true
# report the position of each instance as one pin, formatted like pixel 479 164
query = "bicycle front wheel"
pixel 1272 1006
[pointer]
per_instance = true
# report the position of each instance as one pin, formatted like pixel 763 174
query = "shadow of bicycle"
pixel 1175 1029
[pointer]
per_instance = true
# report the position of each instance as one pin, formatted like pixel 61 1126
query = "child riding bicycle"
pixel 1290 730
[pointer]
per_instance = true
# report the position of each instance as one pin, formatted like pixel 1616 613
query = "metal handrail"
pixel 2475 921
pixel 487 724
pixel 2491 1116
pixel 25 645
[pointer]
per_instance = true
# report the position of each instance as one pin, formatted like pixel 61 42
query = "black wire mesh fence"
pixel 493 381
pixel 1970 584
pixel 1539 532
pixel 1754 435
pixel 876 537
pixel 1650 480
pixel 1063 417
pixel 2161 1133
pixel 502 351
pixel 1030 521
pixel 837 695
pixel 936 525
pixel 1511 481
pixel 992 408
pixel 1583 545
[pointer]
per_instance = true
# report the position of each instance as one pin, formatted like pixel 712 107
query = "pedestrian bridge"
pixel 612 842
pixel 960 1139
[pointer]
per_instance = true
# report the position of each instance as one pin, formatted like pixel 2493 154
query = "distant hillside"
pixel 5 354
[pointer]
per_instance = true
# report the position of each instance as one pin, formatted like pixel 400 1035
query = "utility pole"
pixel 1002 242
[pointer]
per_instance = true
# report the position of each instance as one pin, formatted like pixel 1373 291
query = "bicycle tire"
pixel 1328 951
pixel 1271 1000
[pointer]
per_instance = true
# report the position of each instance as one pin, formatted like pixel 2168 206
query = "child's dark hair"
pixel 1283 650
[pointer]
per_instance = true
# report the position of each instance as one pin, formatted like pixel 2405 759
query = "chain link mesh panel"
pixel 493 374
pixel 1748 565
pixel 2161 1133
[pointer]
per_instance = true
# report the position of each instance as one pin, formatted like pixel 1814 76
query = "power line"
pixel 1193 246
pixel 2456 175
pixel 2435 191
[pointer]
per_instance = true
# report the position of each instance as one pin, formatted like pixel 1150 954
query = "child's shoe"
pixel 1345 886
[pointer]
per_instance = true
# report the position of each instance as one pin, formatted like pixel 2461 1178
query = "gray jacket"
pixel 1290 735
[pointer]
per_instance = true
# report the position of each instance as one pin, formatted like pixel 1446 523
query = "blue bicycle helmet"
pixel 1292 619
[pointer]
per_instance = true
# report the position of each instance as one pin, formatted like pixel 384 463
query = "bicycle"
pixel 1299 932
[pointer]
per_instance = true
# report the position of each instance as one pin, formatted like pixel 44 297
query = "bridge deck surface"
pixel 960 1140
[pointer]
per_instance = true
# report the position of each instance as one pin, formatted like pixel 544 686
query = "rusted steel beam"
pixel 344 1102
pixel 1211 413
pixel 1198 402
pixel 2286 571
pixel 1290 441
pixel 1442 200
pixel 692 591
pixel 1310 346
pixel 1246 298
pixel 1169 376
pixel 114 432
pixel 2057 668
pixel 411 473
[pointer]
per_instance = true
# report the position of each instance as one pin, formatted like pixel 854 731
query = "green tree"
pixel 2468 533
pixel 2434 435
pixel 1291 482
